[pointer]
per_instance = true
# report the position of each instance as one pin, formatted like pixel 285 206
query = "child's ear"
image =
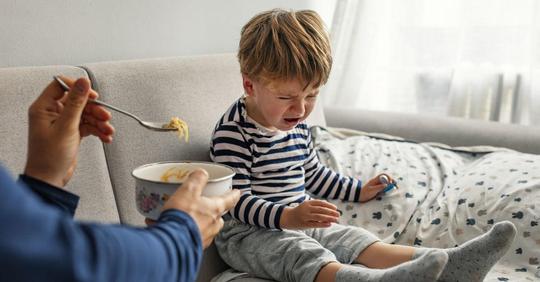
pixel 247 83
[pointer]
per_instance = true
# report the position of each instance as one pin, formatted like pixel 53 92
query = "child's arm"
pixel 230 148
pixel 324 182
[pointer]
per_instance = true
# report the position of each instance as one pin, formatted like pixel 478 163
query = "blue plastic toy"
pixel 389 185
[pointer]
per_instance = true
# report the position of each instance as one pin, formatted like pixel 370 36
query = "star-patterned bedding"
pixel 446 195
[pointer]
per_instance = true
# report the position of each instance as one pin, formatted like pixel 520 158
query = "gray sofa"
pixel 197 89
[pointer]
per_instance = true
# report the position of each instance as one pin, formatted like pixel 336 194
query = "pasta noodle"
pixel 179 125
pixel 175 172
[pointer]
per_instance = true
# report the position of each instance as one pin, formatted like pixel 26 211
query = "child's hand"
pixel 309 214
pixel 373 187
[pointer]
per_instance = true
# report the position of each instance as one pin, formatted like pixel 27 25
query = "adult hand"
pixel 57 123
pixel 206 211
pixel 309 214
pixel 373 187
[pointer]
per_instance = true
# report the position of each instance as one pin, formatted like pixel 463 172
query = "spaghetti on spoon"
pixel 175 124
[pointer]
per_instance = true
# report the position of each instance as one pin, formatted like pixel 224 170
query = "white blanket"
pixel 446 195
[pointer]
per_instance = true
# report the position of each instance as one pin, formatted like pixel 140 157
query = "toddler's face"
pixel 279 104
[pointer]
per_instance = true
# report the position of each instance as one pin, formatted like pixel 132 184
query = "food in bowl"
pixel 175 173
pixel 181 127
pixel 151 190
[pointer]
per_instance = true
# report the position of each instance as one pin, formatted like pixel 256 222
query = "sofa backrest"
pixel 451 131
pixel 195 89
pixel 20 87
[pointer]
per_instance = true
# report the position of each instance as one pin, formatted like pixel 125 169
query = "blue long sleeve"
pixel 41 242
pixel 52 195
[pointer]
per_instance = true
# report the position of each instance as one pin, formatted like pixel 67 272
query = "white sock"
pixel 474 259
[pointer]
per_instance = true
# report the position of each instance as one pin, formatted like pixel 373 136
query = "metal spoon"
pixel 157 126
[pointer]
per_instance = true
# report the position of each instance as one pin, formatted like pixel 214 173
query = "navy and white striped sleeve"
pixel 324 182
pixel 229 147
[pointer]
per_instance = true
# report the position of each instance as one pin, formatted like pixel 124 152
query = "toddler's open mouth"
pixel 292 120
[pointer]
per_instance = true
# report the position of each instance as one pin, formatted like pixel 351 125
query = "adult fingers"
pixel 93 95
pixel 212 232
pixel 87 129
pixel 196 181
pixel 53 91
pixel 47 101
pixel 71 82
pixel 104 126
pixel 97 111
pixel 74 104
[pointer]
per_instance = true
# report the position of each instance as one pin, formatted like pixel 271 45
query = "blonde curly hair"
pixel 283 45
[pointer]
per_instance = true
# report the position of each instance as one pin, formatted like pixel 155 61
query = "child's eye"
pixel 284 98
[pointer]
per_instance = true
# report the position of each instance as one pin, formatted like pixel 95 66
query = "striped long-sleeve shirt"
pixel 273 168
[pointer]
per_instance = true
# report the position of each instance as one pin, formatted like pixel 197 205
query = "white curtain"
pixel 468 58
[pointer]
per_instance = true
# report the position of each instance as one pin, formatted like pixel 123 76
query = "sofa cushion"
pixel 20 87
pixel 198 90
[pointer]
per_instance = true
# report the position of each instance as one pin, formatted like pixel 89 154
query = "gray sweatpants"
pixel 289 255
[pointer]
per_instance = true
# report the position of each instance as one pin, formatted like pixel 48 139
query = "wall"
pixel 75 32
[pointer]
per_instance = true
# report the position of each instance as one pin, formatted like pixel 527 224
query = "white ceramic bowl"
pixel 151 192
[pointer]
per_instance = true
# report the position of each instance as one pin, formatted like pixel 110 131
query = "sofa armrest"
pixel 448 130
